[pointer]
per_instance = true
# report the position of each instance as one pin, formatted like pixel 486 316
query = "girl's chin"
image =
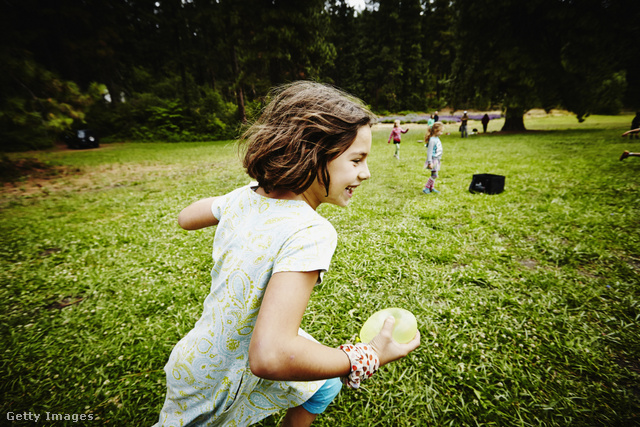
pixel 348 194
pixel 343 199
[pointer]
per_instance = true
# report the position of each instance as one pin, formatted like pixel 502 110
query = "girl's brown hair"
pixel 302 128
pixel 432 130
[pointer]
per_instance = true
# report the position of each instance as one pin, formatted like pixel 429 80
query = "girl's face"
pixel 346 172
pixel 439 131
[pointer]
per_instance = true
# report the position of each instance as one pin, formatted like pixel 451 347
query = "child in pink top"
pixel 396 136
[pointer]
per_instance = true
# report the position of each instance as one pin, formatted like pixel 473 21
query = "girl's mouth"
pixel 350 191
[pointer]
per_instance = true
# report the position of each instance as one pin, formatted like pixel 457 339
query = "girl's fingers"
pixel 414 343
pixel 387 348
pixel 388 325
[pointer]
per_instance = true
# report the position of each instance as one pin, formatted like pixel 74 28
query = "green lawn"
pixel 528 302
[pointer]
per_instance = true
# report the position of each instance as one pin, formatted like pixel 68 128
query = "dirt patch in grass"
pixel 25 169
pixel 33 178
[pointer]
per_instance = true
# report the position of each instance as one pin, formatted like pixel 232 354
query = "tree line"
pixel 178 70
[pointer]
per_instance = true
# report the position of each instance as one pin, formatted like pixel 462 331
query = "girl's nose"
pixel 364 173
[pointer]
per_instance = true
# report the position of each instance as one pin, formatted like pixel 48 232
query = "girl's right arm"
pixel 198 215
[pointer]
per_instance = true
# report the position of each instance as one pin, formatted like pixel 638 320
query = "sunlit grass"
pixel 527 301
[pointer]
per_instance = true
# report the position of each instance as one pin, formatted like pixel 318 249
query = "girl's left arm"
pixel 276 351
pixel 198 215
pixel 430 149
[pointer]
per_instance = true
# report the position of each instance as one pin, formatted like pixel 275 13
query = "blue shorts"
pixel 323 397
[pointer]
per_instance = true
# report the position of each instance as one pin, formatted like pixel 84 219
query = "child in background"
pixel 246 357
pixel 434 154
pixel 431 121
pixel 396 136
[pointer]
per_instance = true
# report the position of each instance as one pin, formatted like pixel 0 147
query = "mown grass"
pixel 527 301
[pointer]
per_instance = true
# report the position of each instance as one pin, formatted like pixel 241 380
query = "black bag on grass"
pixel 487 183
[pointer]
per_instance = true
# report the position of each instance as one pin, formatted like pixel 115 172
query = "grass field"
pixel 528 301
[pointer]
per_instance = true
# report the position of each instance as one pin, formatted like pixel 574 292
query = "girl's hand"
pixel 387 348
pixel 429 166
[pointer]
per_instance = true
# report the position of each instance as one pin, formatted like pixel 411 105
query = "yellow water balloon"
pixel 404 330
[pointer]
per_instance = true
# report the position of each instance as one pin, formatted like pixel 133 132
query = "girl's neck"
pixel 282 194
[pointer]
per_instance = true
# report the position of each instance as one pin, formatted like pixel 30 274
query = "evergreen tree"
pixel 413 86
pixel 542 53
pixel 346 35
pixel 438 48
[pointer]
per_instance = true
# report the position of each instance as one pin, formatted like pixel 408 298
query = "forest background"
pixel 188 70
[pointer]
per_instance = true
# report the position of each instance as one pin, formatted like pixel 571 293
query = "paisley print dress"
pixel 209 382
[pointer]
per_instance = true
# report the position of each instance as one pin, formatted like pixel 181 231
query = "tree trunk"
pixel 239 92
pixel 114 93
pixel 514 120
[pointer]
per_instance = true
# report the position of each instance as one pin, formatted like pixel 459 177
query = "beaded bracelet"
pixel 364 363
